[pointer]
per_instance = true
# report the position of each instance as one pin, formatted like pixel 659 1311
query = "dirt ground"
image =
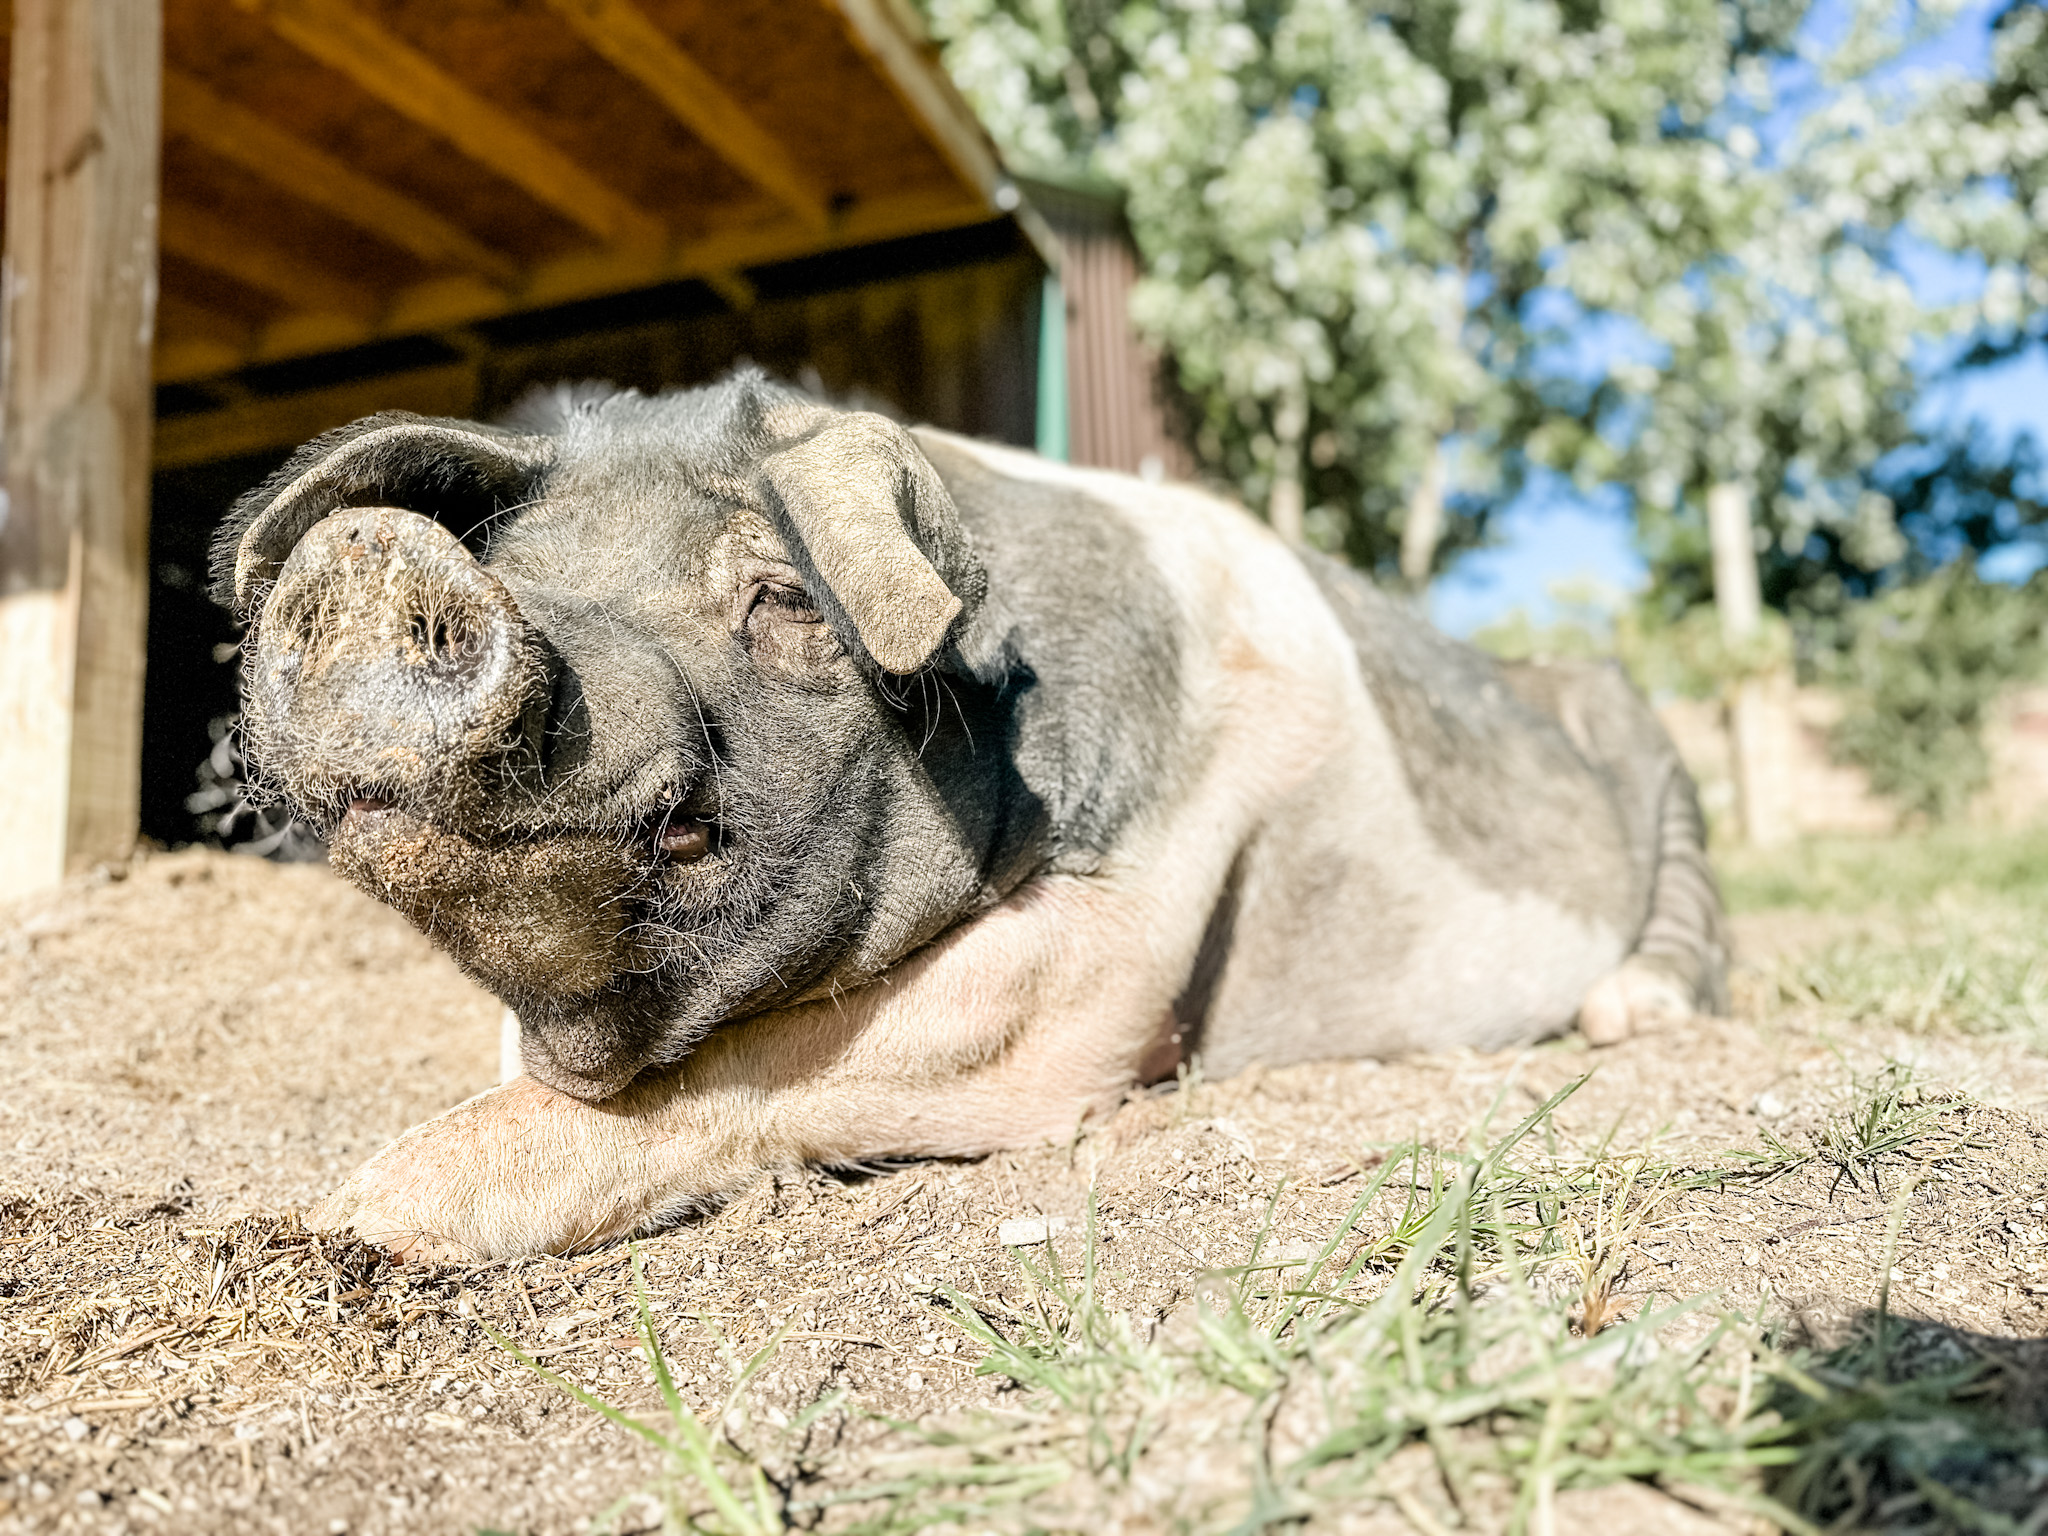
pixel 194 1052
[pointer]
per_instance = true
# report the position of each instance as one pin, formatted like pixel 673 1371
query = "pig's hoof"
pixel 518 1170
pixel 1634 997
pixel 353 1212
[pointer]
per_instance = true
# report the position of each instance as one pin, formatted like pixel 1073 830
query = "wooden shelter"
pixel 1116 408
pixel 268 216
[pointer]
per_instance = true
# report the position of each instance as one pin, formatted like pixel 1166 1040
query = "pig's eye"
pixel 791 605
pixel 782 630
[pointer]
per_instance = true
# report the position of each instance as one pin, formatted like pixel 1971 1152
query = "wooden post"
pixel 1285 503
pixel 1758 725
pixel 1424 529
pixel 76 320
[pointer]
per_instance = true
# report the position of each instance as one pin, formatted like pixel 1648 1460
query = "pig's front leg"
pixel 524 1169
pixel 519 1169
pixel 949 1057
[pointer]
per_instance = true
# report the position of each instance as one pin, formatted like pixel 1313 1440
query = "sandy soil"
pixel 195 1051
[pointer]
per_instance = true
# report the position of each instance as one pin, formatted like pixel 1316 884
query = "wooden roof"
pixel 339 171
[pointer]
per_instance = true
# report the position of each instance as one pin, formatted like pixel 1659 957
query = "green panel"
pixel 1052 370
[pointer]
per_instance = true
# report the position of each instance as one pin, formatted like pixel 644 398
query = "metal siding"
pixel 1116 416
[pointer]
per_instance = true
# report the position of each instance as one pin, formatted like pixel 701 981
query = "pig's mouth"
pixel 674 860
pixel 674 837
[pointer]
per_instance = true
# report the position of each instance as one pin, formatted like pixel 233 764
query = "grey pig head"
pixel 622 708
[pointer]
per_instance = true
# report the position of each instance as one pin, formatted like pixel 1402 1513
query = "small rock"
pixel 248 1432
pixel 91 1498
pixel 1769 1106
pixel 914 1381
pixel 76 1429
pixel 1022 1231
pixel 1752 1257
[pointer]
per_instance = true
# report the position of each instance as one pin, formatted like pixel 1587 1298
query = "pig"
pixel 815 789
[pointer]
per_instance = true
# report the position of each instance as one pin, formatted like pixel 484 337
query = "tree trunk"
pixel 79 299
pixel 1423 528
pixel 1758 727
pixel 1286 506
pixel 1737 593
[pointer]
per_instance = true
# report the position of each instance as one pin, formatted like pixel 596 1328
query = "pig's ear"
pixel 875 533
pixel 454 471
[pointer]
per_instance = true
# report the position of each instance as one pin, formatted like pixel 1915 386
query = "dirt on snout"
pixel 196 1051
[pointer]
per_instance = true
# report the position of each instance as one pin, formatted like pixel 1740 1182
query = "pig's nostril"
pixel 451 641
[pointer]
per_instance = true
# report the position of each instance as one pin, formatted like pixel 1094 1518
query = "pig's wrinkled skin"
pixel 817 790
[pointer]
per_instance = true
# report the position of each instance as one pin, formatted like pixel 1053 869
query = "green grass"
pixel 1908 1429
pixel 1440 1332
pixel 1886 1113
pixel 1444 1318
pixel 1972 865
pixel 1936 931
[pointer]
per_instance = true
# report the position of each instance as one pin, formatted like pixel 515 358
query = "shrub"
pixel 1919 668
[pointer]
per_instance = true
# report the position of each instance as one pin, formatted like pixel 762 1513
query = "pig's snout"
pixel 390 663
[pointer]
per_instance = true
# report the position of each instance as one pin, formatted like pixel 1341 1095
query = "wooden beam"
pixel 890 36
pixel 214 243
pixel 235 134
pixel 410 83
pixel 178 314
pixel 82 171
pixel 624 35
pixel 180 359
pixel 732 287
pixel 251 426
pixel 446 303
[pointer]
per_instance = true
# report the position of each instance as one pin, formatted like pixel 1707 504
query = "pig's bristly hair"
pixel 546 409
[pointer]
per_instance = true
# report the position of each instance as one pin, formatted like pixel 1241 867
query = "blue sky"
pixel 1553 534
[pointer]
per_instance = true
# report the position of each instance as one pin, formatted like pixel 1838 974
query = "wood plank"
pixel 251 426
pixel 181 322
pixel 196 341
pixel 181 358
pixel 192 110
pixel 82 162
pixel 410 83
pixel 889 34
pixel 446 303
pixel 624 36
pixel 731 286
pixel 209 241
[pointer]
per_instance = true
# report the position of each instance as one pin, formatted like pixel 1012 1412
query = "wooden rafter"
pixel 889 37
pixel 447 303
pixel 185 318
pixel 235 134
pixel 212 242
pixel 410 83
pixel 624 36
pixel 251 426
pixel 731 286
